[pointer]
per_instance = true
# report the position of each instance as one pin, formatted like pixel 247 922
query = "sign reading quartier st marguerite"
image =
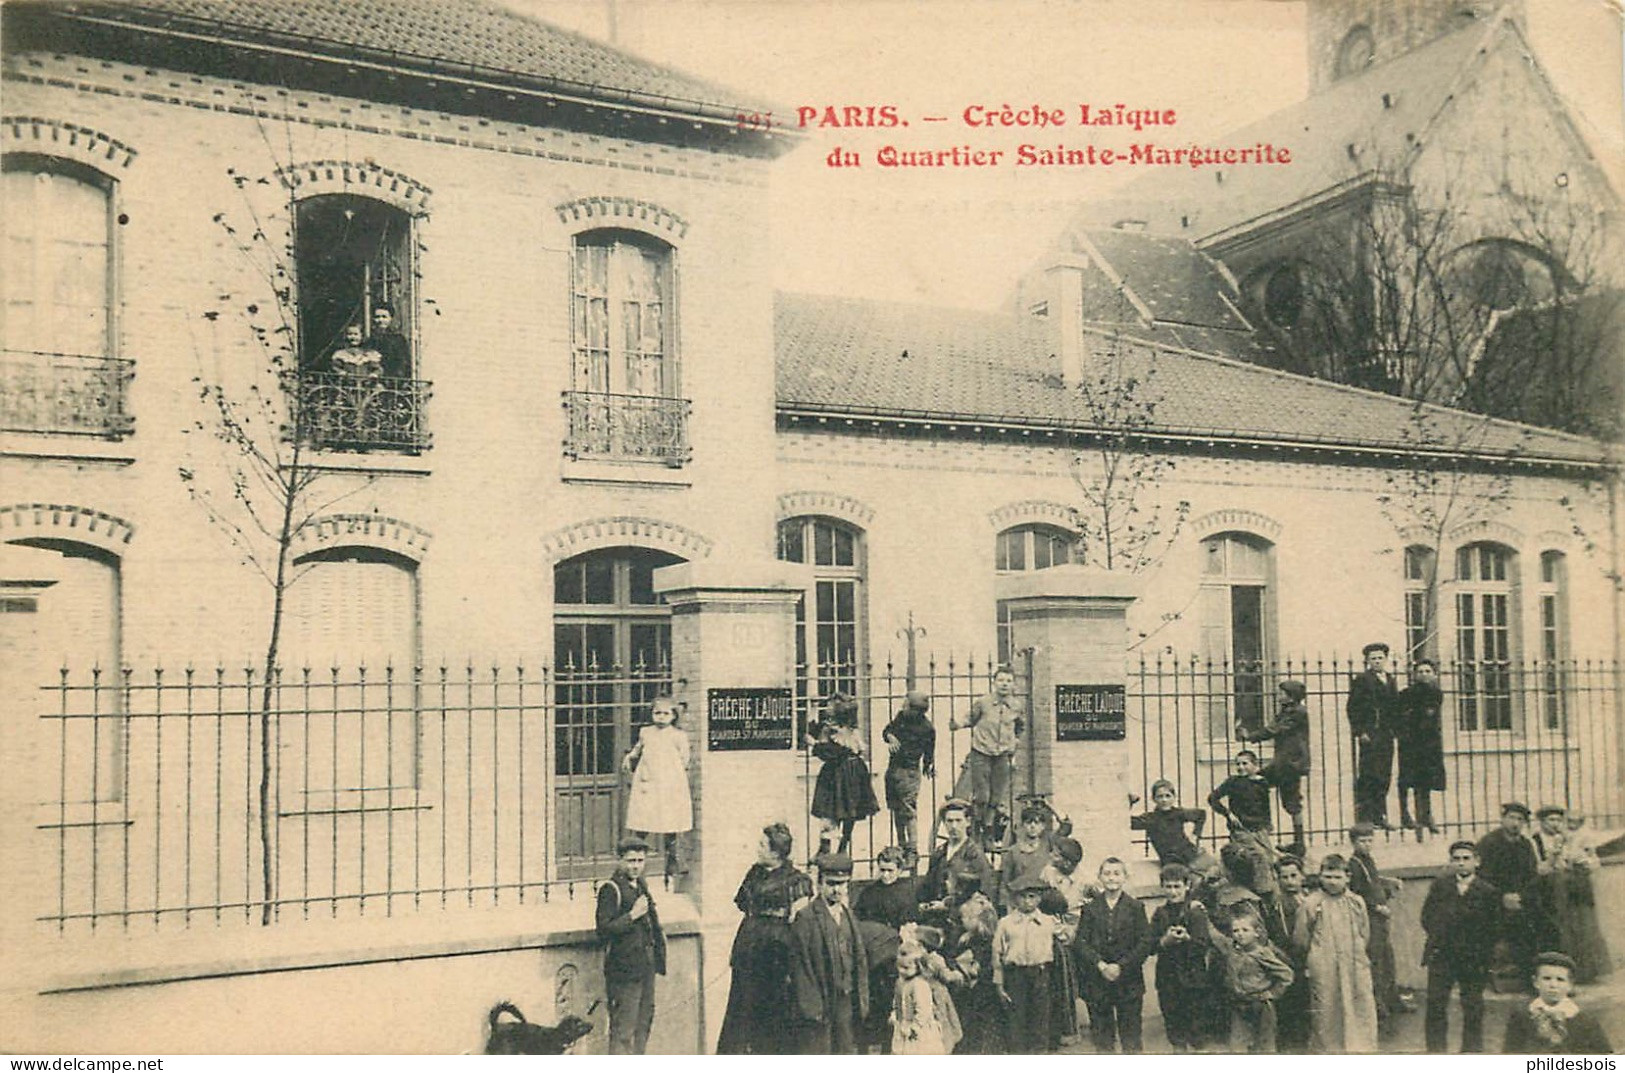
pixel 741 719
pixel 1090 713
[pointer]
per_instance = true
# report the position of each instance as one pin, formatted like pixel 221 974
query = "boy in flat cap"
pixel 1373 712
pixel 1023 951
pixel 829 970
pixel 634 949
pixel 1553 1023
pixel 1290 765
pixel 1507 862
pixel 1460 917
pixel 913 744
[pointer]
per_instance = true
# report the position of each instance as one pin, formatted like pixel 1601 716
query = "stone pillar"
pixel 732 627
pixel 1075 620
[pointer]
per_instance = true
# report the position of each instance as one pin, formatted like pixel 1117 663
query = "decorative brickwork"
pixel 828 504
pixel 1499 532
pixel 1246 521
pixel 367 530
pixel 1033 511
pixel 588 212
pixel 1553 540
pixel 53 137
pixel 346 177
pixel 41 521
pixel 622 531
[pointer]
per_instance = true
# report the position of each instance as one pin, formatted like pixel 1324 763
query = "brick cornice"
pixel 829 504
pixel 54 137
pixel 81 525
pixel 315 177
pixel 589 212
pixel 362 530
pixel 622 531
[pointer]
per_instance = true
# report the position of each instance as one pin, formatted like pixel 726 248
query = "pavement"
pixel 1606 999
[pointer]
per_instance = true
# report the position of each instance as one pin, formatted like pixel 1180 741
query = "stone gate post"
pixel 733 663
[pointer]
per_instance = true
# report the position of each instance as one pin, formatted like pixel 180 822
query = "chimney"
pixel 1065 279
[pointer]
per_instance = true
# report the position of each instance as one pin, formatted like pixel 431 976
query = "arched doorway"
pixel 611 657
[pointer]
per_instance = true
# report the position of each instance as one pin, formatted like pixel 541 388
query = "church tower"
pixel 1347 36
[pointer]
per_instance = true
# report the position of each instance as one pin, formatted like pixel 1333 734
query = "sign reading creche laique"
pixel 744 719
pixel 1090 713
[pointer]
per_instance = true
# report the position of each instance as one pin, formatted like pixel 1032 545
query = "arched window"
pixel 61 370
pixel 355 265
pixel 352 623
pixel 1421 587
pixel 830 633
pixel 1236 619
pixel 1027 547
pixel 1356 53
pixel 611 657
pixel 625 390
pixel 1486 584
pixel 1552 594
pixel 60 610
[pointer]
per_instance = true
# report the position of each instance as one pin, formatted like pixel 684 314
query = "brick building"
pixel 594 381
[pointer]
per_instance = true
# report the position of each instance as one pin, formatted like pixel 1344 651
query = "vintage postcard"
pixel 812 527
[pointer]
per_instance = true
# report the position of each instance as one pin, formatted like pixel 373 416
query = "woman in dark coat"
pixel 1421 747
pixel 758 1020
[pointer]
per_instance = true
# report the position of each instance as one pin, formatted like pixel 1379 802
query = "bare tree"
pixel 1121 518
pixel 249 463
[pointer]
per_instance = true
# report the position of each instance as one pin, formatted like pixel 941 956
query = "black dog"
pixel 519 1036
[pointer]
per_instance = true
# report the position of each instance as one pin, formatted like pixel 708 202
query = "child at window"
pixel 355 359
pixel 660 802
pixel 844 793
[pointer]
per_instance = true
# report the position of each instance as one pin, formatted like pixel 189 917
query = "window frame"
pixel 1029 534
pixel 1477 682
pixel 812 685
pixel 41 163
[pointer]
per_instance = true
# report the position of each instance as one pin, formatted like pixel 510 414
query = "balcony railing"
pixel 335 412
pixel 633 428
pixel 71 394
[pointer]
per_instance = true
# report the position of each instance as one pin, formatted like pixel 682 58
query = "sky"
pixel 961 236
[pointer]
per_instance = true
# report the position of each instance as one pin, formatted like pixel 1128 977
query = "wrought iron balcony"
pixel 336 412
pixel 630 428
pixel 72 394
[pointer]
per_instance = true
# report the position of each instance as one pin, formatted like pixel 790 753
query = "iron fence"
pixel 65 393
pixel 1557 742
pixel 384 792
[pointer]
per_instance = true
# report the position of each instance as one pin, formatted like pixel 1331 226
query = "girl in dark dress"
pixel 759 1000
pixel 844 793
pixel 1421 747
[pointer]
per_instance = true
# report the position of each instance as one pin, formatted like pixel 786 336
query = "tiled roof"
pixel 1177 282
pixel 854 356
pixel 1383 113
pixel 470 36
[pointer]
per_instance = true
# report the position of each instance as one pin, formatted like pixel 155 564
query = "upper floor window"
pixel 60 373
pixel 355 267
pixel 625 391
pixel 1027 547
pixel 1485 578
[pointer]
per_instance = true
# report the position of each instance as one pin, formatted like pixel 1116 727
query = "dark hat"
pixel 1551 810
pixel 1375 646
pixel 1294 689
pixel 1030 884
pixel 1554 957
pixel 916 700
pixel 631 844
pixel 833 864
pixel 1463 843
pixel 955 802
pixel 1069 849
pixel 1515 806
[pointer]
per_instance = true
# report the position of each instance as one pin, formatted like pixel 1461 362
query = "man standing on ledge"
pixel 829 970
pixel 1373 714
pixel 634 949
pixel 995 731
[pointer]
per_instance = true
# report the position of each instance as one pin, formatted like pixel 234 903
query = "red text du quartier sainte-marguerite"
pixel 1003 118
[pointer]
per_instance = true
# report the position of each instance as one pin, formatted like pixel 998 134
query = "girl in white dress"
pixel 915 1029
pixel 660 802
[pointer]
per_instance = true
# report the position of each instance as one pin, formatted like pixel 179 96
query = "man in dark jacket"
pixel 958 867
pixel 829 971
pixel 1113 941
pixel 1290 764
pixel 1508 864
pixel 634 949
pixel 1459 917
pixel 913 744
pixel 1373 713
